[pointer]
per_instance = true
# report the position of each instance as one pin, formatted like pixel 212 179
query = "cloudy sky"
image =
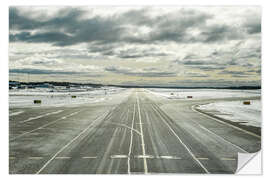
pixel 183 46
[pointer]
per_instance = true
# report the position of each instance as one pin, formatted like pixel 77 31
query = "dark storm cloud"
pixel 49 37
pixel 73 29
pixel 216 33
pixel 253 24
pixel 40 71
pixel 127 71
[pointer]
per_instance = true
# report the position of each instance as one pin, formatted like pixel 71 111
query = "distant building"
pixel 44 85
pixel 14 84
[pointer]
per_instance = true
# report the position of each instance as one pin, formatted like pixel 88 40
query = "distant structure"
pixel 14 84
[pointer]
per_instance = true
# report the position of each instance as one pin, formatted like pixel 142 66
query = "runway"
pixel 131 133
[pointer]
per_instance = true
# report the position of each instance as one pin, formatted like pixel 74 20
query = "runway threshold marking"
pixel 142 138
pixel 222 122
pixel 69 143
pixel 131 139
pixel 41 116
pixel 180 140
pixel 239 148
pixel 21 135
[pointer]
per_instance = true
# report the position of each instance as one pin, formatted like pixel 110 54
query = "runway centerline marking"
pixel 69 143
pixel 142 138
pixel 180 140
pixel 131 139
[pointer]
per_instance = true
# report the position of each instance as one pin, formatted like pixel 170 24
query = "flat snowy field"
pixel 236 111
pixel 230 110
pixel 203 93
pixel 25 97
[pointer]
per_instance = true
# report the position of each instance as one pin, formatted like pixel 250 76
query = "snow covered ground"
pixel 52 97
pixel 202 93
pixel 236 111
pixel 230 110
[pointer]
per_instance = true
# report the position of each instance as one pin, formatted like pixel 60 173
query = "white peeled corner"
pixel 249 163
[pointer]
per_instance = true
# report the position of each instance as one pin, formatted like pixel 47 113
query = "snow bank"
pixel 236 111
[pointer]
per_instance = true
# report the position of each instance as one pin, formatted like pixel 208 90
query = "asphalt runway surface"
pixel 134 132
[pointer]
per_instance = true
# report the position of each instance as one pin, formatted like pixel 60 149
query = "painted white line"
pixel 228 159
pixel 132 129
pixel 69 143
pixel 145 156
pixel 239 148
pixel 202 158
pixel 89 157
pixel 21 135
pixel 41 116
pixel 16 113
pixel 62 157
pixel 222 122
pixel 35 158
pixel 120 156
pixel 169 157
pixel 131 139
pixel 142 139
pixel 180 140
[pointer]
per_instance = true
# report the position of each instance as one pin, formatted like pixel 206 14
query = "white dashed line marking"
pixel 169 157
pixel 119 156
pixel 89 157
pixel 145 156
pixel 41 116
pixel 35 158
pixel 202 158
pixel 228 159
pixel 62 157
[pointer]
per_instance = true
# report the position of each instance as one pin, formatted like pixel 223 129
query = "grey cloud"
pixel 128 71
pixel 40 71
pixel 74 30
pixel 233 72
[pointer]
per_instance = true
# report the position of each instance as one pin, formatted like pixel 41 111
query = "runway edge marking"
pixel 222 138
pixel 185 146
pixel 222 122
